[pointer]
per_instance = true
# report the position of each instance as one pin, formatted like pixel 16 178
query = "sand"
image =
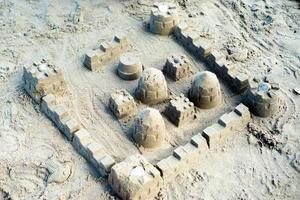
pixel 37 162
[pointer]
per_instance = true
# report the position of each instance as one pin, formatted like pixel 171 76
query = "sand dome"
pixel 130 66
pixel 149 129
pixel 205 91
pixel 152 87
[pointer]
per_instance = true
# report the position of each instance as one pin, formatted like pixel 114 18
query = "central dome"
pixel 205 91
pixel 149 128
pixel 152 87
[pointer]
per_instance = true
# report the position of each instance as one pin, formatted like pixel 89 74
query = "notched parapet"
pixel 45 84
pixel 201 48
pixel 239 81
pixel 135 178
pixel 163 19
pixel 177 67
pixel 93 152
pixel 58 113
pixel 169 168
pixel 228 123
pixel 108 50
pixel 182 158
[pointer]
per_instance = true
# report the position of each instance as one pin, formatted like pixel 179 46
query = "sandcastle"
pixel 163 19
pixel 130 66
pixel 42 78
pixel 122 104
pixel 135 178
pixel 205 91
pixel 149 128
pixel 152 87
pixel 108 50
pixel 180 110
pixel 177 67
pixel 262 98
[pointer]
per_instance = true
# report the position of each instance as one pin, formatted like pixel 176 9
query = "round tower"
pixel 149 129
pixel 152 87
pixel 163 19
pixel 130 66
pixel 262 98
pixel 205 91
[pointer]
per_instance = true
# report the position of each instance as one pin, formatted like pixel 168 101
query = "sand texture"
pixel 262 38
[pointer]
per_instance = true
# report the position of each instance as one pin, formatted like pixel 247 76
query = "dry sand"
pixel 37 162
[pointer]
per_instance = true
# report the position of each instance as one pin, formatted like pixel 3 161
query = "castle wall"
pixel 183 157
pixel 108 50
pixel 202 49
pixel 80 138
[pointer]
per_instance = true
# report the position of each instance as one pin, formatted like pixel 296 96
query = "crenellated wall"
pixel 201 48
pixel 94 59
pixel 183 157
pixel 80 138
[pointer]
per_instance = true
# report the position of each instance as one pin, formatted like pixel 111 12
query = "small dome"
pixel 152 87
pixel 149 128
pixel 206 79
pixel 130 66
pixel 205 91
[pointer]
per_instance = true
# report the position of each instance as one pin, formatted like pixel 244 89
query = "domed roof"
pixel 152 87
pixel 205 91
pixel 149 128
pixel 152 76
pixel 205 79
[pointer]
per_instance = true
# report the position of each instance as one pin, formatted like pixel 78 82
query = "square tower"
pixel 135 178
pixel 180 110
pixel 42 78
pixel 177 67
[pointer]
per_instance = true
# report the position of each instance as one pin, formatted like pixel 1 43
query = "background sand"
pixel 37 162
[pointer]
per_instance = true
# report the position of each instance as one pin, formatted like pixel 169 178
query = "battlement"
pixel 135 178
pixel 228 71
pixel 163 19
pixel 183 157
pixel 81 139
pixel 227 123
pixel 42 78
pixel 180 110
pixel 108 50
pixel 201 48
